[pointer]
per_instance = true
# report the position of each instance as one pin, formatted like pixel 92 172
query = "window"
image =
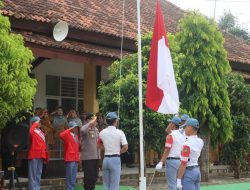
pixel 52 104
pixel 68 87
pixel 52 85
pixel 64 91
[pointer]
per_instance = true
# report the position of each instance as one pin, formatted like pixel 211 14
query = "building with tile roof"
pixel 89 20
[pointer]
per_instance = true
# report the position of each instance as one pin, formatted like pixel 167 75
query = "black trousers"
pixel 91 173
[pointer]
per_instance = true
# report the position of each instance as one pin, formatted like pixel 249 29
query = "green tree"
pixel 228 23
pixel 204 89
pixel 154 123
pixel 235 152
pixel 17 89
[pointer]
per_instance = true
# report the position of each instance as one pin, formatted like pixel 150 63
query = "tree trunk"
pixel 204 159
pixel 237 169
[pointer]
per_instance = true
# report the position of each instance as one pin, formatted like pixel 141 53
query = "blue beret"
pixel 175 120
pixel 193 123
pixel 185 117
pixel 34 119
pixel 72 124
pixel 111 115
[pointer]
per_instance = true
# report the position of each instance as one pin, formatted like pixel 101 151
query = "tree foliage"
pixel 236 151
pixel 17 89
pixel 204 89
pixel 228 22
pixel 154 123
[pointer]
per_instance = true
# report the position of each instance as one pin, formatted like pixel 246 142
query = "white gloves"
pixel 158 166
pixel 179 186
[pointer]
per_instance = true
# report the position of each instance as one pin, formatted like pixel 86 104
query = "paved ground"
pixel 129 178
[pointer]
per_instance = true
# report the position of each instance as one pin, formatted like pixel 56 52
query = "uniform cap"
pixel 111 115
pixel 72 124
pixel 175 120
pixel 193 123
pixel 89 115
pixel 184 117
pixel 35 119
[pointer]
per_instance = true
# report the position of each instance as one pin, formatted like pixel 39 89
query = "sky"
pixel 239 8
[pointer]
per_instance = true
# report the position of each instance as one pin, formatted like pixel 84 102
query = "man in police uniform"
pixel 90 155
pixel 189 172
pixel 172 152
pixel 112 139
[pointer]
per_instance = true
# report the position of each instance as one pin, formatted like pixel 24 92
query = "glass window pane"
pixel 68 103
pixel 52 85
pixel 80 88
pixel 52 104
pixel 68 87
pixel 80 106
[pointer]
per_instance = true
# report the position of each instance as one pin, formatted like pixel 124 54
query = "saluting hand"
pixel 93 121
pixel 71 128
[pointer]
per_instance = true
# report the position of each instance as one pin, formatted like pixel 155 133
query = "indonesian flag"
pixel 161 94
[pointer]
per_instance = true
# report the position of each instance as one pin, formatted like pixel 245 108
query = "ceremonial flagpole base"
pixel 142 184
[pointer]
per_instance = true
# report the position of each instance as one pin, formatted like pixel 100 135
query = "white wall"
pixel 54 67
pixel 58 68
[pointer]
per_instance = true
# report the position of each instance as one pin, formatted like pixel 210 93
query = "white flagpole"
pixel 142 183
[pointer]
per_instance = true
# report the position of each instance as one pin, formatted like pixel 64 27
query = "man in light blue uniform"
pixel 172 152
pixel 189 172
pixel 112 139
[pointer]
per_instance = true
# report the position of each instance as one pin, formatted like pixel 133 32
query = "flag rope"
pixel 152 178
pixel 121 58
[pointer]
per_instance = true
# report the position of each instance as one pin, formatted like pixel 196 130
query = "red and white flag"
pixel 161 94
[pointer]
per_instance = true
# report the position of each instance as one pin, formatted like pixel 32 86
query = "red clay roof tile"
pixel 105 16
pixel 72 45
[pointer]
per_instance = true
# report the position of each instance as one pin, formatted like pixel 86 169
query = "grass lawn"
pixel 235 186
pixel 99 187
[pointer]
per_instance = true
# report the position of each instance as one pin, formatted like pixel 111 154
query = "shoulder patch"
pixel 169 141
pixel 185 149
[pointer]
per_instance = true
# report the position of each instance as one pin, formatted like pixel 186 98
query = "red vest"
pixel 37 143
pixel 71 146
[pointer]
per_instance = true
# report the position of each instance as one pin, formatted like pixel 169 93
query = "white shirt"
pixel 177 141
pixel 182 131
pixel 191 150
pixel 112 140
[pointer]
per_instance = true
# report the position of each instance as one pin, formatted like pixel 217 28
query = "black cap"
pixel 89 115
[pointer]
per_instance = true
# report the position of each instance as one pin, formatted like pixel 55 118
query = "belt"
pixel 191 167
pixel 113 155
pixel 173 158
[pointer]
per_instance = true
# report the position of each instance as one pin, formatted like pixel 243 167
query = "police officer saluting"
pixel 189 172
pixel 172 152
